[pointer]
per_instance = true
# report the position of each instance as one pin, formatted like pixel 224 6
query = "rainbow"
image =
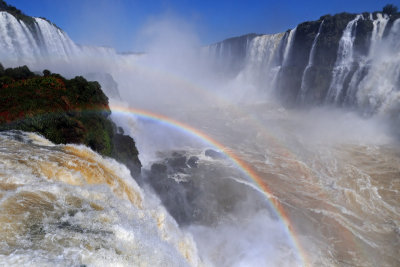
pixel 243 166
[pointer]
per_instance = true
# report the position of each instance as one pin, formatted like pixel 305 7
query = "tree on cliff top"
pixel 390 9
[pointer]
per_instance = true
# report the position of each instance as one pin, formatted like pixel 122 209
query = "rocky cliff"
pixel 63 111
pixel 334 60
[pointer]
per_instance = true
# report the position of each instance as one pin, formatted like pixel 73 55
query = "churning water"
pixel 244 181
pixel 66 205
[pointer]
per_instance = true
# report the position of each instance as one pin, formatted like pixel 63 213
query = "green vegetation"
pixel 63 111
pixel 390 9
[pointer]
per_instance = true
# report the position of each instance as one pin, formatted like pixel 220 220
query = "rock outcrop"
pixel 64 111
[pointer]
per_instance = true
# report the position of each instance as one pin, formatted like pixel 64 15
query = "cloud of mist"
pixel 259 241
pixel 176 78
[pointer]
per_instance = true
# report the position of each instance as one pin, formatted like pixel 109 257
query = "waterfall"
pixel 379 89
pixel 256 58
pixel 262 49
pixel 38 42
pixel 304 86
pixel 262 59
pixel 288 46
pixel 56 41
pixel 70 206
pixel 344 61
pixel 351 76
pixel 379 26
pixel 16 42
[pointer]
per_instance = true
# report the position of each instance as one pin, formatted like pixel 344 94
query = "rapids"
pixel 334 172
pixel 67 205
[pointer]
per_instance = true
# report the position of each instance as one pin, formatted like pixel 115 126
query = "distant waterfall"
pixel 360 70
pixel 288 46
pixel 262 59
pixel 41 41
pixel 377 32
pixel 16 39
pixel 304 87
pixel 262 50
pixel 379 26
pixel 344 61
pixel 379 90
pixel 359 67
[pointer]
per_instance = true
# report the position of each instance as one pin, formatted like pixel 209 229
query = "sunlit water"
pixel 68 206
pixel 336 174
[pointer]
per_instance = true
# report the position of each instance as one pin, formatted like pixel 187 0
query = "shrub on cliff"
pixel 390 9
pixel 63 111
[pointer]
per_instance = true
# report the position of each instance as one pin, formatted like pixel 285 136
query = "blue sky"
pixel 118 23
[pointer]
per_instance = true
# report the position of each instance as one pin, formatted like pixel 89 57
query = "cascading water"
pixel 379 26
pixel 378 90
pixel 304 86
pixel 344 61
pixel 66 205
pixel 332 172
pixel 17 40
pixel 262 51
pixel 40 43
pixel 262 60
pixel 352 74
pixel 288 46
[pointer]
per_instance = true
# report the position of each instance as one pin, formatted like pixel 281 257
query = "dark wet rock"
pixel 213 154
pixel 177 163
pixel 195 194
pixel 125 151
pixel 192 162
pixel 120 130
pixel 171 193
pixel 159 168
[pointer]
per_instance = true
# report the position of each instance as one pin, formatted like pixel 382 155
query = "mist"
pixel 178 79
pixel 301 153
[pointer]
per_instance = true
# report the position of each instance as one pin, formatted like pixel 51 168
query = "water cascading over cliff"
pixel 40 44
pixel 216 165
pixel 342 60
pixel 67 205
pixel 350 60
pixel 22 42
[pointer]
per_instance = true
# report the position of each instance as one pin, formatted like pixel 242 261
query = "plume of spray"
pixel 175 78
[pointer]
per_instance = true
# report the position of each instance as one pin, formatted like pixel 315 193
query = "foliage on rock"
pixel 63 111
